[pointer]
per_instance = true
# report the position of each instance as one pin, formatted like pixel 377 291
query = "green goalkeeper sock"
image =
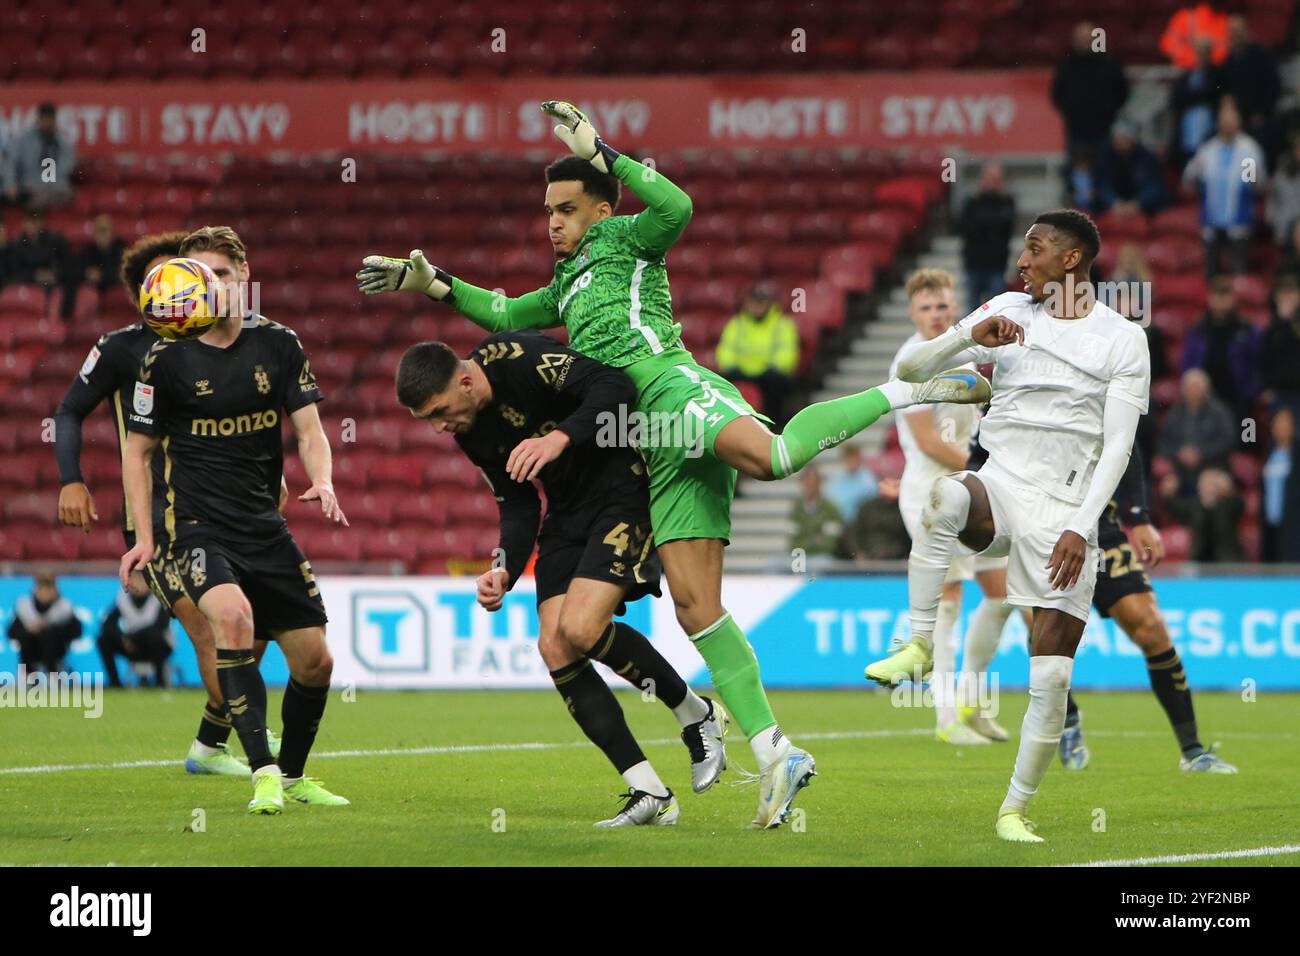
pixel 734 670
pixel 822 426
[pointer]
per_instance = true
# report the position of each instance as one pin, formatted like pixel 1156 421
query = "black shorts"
pixel 613 543
pixel 274 575
pixel 163 580
pixel 1122 573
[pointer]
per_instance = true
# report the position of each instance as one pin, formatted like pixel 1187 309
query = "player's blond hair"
pixel 219 239
pixel 929 280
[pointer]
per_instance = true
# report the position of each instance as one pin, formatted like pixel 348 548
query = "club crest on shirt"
pixel 1091 347
pixel 262 379
pixel 585 255
pixel 142 401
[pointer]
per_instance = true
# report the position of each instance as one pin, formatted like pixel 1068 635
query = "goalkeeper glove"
pixel 577 133
pixel 416 274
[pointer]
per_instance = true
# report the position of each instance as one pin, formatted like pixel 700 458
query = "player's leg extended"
pixel 595 709
pixel 957 509
pixel 1055 637
pixel 587 625
pixel 748 446
pixel 1140 618
pixel 693 567
pixel 305 696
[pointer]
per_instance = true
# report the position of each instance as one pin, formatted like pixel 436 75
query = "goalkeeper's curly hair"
pixel 142 252
pixel 594 183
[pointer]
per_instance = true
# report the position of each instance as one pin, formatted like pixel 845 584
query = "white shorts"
pixel 964 567
pixel 1027 524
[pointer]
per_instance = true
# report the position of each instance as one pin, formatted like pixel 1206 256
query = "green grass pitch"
pixel 886 793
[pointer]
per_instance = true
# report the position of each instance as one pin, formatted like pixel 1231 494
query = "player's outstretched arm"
pixel 959 345
pixel 138 483
pixel 489 310
pixel 668 208
pixel 314 450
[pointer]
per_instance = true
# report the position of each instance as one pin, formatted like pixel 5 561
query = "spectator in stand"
pixel 40 164
pixel 1128 177
pixel 854 485
pixel 1279 519
pixel 1226 347
pixel 987 221
pixel 1192 101
pixel 1212 514
pixel 1279 352
pixel 817 522
pixel 1088 90
pixel 137 628
pixel 101 259
pixel 1229 174
pixel 44 625
pixel 1199 433
pixel 877 532
pixel 1129 292
pixel 1251 78
pixel 97 263
pixel 1283 201
pixel 760 344
pixel 38 255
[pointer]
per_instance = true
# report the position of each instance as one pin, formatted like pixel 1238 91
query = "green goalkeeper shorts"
pixel 682 406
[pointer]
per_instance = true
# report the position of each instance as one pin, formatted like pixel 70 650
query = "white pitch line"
pixel 449 749
pixel 1194 857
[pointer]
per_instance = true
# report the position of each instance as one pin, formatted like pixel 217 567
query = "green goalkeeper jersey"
pixel 611 292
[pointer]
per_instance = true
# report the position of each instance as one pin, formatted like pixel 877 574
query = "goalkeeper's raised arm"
pixel 491 310
pixel 668 209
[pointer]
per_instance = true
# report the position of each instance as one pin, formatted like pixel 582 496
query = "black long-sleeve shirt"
pixel 539 385
pixel 109 373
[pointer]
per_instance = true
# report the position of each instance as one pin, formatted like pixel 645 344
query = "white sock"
pixel 274 768
pixel 290 781
pixel 1049 682
pixel 691 710
pixel 204 749
pixel 942 519
pixel 982 639
pixel 943 680
pixel 898 392
pixel 769 746
pixel 642 776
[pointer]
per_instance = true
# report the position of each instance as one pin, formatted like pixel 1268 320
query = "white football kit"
pixel 1043 432
pixel 955 424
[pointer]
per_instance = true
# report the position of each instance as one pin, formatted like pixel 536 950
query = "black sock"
pixel 245 693
pixel 630 655
pixel 301 713
pixel 1071 710
pixel 214 728
pixel 1169 681
pixel 594 707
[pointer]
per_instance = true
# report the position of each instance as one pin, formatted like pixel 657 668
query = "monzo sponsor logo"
pixel 235 425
